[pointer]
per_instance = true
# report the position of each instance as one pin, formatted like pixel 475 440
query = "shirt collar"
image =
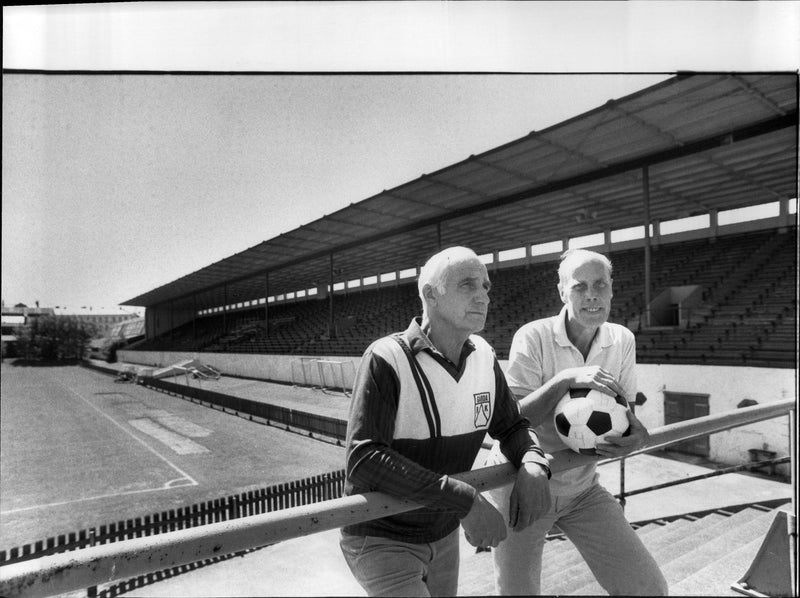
pixel 602 339
pixel 417 340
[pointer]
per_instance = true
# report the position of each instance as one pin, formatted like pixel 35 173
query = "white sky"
pixel 115 184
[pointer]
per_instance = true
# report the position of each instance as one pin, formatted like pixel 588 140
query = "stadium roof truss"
pixel 703 142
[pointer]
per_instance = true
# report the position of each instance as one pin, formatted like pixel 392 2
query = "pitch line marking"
pixel 192 481
pixel 174 483
pixel 168 486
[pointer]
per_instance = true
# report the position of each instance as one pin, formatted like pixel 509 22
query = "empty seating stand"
pixel 747 315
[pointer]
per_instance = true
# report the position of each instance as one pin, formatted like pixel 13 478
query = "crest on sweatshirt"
pixel 483 409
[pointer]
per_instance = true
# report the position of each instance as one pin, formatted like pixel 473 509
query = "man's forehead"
pixel 589 269
pixel 470 268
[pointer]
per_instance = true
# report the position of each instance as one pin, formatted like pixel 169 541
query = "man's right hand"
pixel 592 376
pixel 484 525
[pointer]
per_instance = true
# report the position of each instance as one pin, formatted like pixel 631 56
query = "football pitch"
pixel 79 451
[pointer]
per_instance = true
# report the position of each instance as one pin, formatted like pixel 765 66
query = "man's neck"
pixel 446 342
pixel 581 336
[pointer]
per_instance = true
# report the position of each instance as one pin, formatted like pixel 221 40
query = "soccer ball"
pixel 585 416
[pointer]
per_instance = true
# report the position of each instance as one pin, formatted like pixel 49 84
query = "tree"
pixel 55 338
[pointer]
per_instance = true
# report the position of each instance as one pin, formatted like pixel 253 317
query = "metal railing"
pixel 97 565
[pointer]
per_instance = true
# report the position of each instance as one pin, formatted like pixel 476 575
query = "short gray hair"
pixel 572 258
pixel 434 272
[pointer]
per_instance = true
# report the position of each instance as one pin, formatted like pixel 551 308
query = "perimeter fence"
pixel 264 500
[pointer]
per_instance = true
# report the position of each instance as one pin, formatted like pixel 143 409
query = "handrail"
pixel 65 572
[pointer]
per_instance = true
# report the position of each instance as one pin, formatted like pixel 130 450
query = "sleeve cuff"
pixel 463 495
pixel 535 455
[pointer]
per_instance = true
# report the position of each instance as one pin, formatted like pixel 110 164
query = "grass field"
pixel 78 450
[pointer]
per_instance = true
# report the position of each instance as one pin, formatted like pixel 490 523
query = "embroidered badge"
pixel 483 409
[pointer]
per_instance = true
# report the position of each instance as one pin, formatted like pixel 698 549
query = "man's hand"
pixel 483 525
pixel 530 497
pixel 592 376
pixel 619 446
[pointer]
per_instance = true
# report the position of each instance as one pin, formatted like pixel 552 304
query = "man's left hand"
pixel 619 446
pixel 530 497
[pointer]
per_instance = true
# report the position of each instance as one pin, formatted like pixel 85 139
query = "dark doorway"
pixel 681 406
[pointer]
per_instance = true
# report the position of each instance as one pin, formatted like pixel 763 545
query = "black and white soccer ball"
pixel 585 416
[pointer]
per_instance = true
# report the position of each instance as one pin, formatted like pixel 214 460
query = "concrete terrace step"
pixel 707 542
pixel 563 569
pixel 715 579
pixel 689 543
pixel 696 571
pixel 708 554
pixel 679 543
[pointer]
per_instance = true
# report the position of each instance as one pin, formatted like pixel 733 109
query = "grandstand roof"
pixel 709 142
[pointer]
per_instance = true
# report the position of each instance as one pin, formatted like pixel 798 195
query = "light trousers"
pixel 387 567
pixel 596 525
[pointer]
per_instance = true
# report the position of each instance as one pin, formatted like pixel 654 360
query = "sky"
pixel 117 183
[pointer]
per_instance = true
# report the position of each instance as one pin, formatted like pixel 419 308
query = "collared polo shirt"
pixel 539 350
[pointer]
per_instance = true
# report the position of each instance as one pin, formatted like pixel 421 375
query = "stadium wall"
pixel 725 386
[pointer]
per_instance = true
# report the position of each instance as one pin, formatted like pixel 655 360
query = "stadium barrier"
pixel 271 498
pixel 254 502
pixel 310 422
pixel 61 573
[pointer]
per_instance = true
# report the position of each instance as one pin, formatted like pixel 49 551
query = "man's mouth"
pixel 593 310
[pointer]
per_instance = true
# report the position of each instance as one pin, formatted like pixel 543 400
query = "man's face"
pixel 465 302
pixel 586 292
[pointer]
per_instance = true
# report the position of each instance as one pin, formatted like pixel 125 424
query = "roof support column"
pixel 171 320
pixel 331 330
pixel 266 303
pixel 713 221
pixel 194 317
pixel 225 308
pixel 646 197
pixel 783 215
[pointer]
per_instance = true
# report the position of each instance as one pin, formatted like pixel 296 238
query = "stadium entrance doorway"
pixel 680 406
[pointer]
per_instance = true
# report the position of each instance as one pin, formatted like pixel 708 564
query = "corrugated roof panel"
pixel 583 154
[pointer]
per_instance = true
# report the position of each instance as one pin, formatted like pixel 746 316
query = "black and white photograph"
pixel 399 299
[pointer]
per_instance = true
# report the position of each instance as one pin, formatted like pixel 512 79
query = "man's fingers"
pixel 513 510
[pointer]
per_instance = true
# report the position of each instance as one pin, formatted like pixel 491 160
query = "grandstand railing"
pixel 97 565
pixel 244 504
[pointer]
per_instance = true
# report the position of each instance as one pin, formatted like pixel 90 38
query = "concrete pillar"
pixel 713 216
pixel 783 215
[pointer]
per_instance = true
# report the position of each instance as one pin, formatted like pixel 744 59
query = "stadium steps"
pixel 699 556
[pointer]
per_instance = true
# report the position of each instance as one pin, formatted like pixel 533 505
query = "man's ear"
pixel 561 294
pixel 430 294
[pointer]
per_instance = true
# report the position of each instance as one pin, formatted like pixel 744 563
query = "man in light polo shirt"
pixel 578 348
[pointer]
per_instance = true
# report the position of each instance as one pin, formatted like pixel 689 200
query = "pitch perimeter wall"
pixel 726 387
